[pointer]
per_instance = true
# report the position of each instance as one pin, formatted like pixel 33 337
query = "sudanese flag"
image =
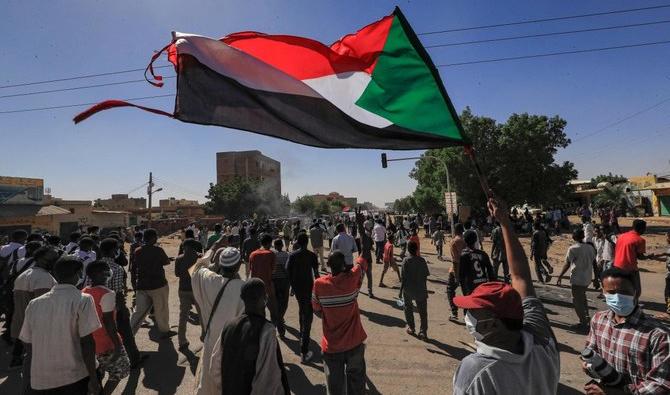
pixel 376 88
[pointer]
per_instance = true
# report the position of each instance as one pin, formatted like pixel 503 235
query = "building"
pixel 173 202
pixel 334 196
pixel 249 165
pixel 121 202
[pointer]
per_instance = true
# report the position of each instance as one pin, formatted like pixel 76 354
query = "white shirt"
pixel 581 256
pixel 71 247
pixel 346 244
pixel 379 233
pixel 8 249
pixel 206 285
pixel 25 286
pixel 56 350
pixel 604 250
pixel 588 232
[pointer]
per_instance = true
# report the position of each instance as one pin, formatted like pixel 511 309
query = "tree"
pixel 323 208
pixel 614 196
pixel 517 157
pixel 404 205
pixel 337 205
pixel 612 179
pixel 304 205
pixel 235 199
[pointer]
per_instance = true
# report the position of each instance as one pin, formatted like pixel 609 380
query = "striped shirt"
pixel 336 298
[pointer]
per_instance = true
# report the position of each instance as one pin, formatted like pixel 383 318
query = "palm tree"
pixel 613 196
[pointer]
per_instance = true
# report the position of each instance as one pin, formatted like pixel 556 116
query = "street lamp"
pixel 385 161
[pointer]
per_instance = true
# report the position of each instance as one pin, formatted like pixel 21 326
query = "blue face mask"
pixel 620 304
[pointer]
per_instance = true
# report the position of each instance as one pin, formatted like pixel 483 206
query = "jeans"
pixel 305 315
pixel 422 306
pixel 186 301
pixel 580 303
pixel 281 286
pixel 319 252
pixel 451 292
pixel 345 368
pixel 379 250
pixel 368 274
pixel 124 328
pixel 505 265
pixel 156 298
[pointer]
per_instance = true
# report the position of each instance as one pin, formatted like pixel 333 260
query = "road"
pixel 396 362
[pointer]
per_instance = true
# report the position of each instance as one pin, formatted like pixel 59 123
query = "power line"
pixel 546 34
pixel 80 104
pixel 137 189
pixel 558 18
pixel 78 88
pixel 79 77
pixel 553 54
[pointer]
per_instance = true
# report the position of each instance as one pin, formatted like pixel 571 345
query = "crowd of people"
pixel 82 290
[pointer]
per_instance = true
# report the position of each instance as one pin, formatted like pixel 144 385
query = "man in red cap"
pixel 516 349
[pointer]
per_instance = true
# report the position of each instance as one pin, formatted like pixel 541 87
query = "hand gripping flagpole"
pixel 470 152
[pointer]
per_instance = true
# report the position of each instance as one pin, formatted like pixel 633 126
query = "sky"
pixel 114 151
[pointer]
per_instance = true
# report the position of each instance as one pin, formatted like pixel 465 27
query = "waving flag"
pixel 376 88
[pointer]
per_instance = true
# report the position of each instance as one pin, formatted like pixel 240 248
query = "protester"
pixel 589 230
pixel 539 246
pixel 604 248
pixel 389 261
pixel 630 247
pixel 438 241
pixel 335 301
pixel 110 353
pixel 152 288
pixel 247 357
pixel 474 267
pixel 344 243
pixel 249 245
pixel 331 231
pixel 579 259
pixel 33 282
pixel 216 289
pixel 182 264
pixel 214 237
pixel 86 255
pixel 401 237
pixel 261 265
pixel 62 353
pixel 498 252
pixel 413 290
pixel 366 248
pixel 517 352
pixel 316 233
pixel 415 238
pixel 287 233
pixel 109 248
pixel 457 247
pixel 72 246
pixel 302 268
pixel 634 344
pixel 379 237
pixel 280 281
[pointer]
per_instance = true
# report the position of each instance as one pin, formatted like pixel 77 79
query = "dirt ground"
pixel 396 363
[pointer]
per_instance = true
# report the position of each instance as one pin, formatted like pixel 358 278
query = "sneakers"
pixel 306 357
pixel 382 285
pixel 453 317
pixel 410 331
pixel 423 335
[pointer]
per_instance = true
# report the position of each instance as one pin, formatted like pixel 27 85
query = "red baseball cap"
pixel 495 296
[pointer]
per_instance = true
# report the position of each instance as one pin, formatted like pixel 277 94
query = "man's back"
pixel 414 275
pixel 540 243
pixel 346 245
pixel 495 371
pixel 261 264
pixel 149 262
pixel 316 236
pixel 474 268
pixel 581 257
pixel 302 266
pixel 628 246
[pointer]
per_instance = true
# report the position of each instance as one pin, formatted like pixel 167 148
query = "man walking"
pixel 217 292
pixel 538 252
pixel 335 301
pixel 379 236
pixel 498 252
pixel 302 268
pixel 186 299
pixel 630 247
pixel 152 287
pixel 579 259
pixel 457 247
pixel 389 261
pixel 261 265
pixel 344 243
pixel 413 289
pixel 474 266
pixel 316 239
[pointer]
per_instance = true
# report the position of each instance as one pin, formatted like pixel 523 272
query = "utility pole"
pixel 150 192
pixel 385 161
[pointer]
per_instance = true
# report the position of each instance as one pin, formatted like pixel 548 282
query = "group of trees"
pixel 308 206
pixel 517 157
pixel 245 198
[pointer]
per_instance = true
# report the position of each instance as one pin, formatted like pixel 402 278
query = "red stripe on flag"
pixel 303 58
pixel 107 104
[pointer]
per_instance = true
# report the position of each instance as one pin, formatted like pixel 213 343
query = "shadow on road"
pixel 294 345
pixel 565 390
pixel 383 319
pixel 299 383
pixel 565 348
pixel 161 371
pixel 457 353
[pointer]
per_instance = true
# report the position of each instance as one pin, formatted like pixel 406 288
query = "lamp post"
pixel 385 161
pixel 150 192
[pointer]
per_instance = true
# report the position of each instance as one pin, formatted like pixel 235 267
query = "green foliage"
pixel 323 208
pixel 304 205
pixel 404 205
pixel 517 157
pixel 244 198
pixel 614 196
pixel 611 178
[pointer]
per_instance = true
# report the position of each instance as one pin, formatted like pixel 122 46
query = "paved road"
pixel 396 362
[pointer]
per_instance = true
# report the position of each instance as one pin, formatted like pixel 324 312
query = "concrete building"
pixel 249 165
pixel 121 202
pixel 334 196
pixel 174 202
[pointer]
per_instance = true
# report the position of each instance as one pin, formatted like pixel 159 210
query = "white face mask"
pixel 471 326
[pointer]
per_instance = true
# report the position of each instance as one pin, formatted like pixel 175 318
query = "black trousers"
pixel 305 314
pixel 126 332
pixel 422 306
pixel 281 286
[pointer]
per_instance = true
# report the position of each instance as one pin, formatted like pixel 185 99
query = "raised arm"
pixel 516 257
